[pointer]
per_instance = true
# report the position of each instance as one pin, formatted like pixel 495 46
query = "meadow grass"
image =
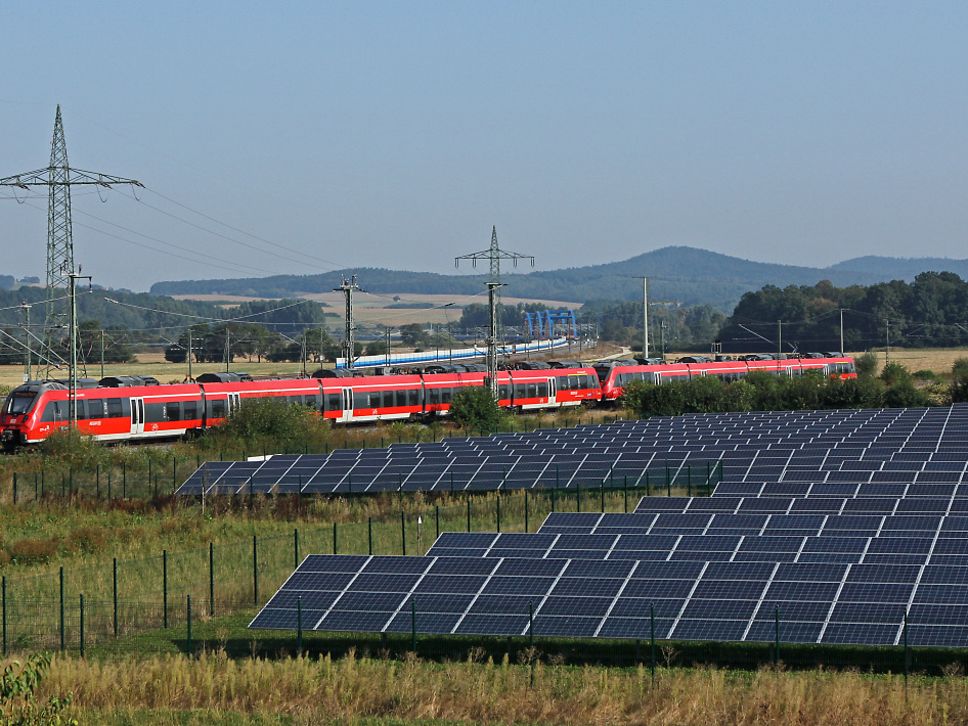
pixel 213 686
pixel 166 547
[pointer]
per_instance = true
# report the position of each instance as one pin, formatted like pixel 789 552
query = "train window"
pixel 95 408
pixel 433 396
pixel 532 390
pixel 115 408
pixel 387 399
pixel 53 411
pixel 446 394
pixel 503 391
pixel 334 402
pixel 542 390
pixel 520 390
pixel 216 408
pixel 189 410
pixel 413 397
pixel 173 411
pixel 20 402
pixel 154 412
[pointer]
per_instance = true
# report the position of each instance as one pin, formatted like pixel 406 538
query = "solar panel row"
pixel 814 602
pixel 834 448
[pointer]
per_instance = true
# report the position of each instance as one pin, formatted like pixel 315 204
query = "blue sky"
pixel 396 134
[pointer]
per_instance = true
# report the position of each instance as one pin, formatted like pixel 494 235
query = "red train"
pixel 123 408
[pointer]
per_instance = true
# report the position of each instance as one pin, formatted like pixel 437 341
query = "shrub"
pixel 33 550
pixel 86 539
pixel 866 364
pixel 270 424
pixel 71 448
pixel 475 408
pixel 959 381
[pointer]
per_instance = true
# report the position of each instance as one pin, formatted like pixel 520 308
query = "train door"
pixel 347 399
pixel 137 416
pixel 552 391
pixel 234 403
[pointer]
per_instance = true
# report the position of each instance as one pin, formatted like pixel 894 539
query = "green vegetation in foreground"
pixel 364 689
pixel 239 550
pixel 894 387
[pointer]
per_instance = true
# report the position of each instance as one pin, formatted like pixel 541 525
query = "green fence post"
pixel 689 478
pixel 211 579
pixel 174 473
pixel 652 641
pixel 907 650
pixel 497 506
pixel 648 483
pixel 63 644
pixel 554 498
pixel 149 474
pixel 109 485
pixel 531 623
pixel 15 488
pixel 114 593
pixel 164 587
pixel 413 625
pixel 625 493
pixel 578 495
pixel 255 569
pixel 124 480
pixel 603 495
pixel 298 625
pixel 525 510
pixel 557 476
pixel 709 474
pixel 403 533
pixel 468 512
pixel 437 520
pixel 81 623
pixel 669 479
pixel 776 636
pixel 369 534
pixel 335 548
pixel 295 547
pixel 3 615
pixel 188 623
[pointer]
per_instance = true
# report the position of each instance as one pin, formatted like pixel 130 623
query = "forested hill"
pixel 686 275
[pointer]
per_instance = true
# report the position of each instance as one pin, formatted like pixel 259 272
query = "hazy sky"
pixel 396 133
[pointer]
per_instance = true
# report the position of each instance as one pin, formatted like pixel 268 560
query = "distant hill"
pixel 686 275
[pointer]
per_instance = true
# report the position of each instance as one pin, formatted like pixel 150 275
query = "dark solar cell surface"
pixel 837 523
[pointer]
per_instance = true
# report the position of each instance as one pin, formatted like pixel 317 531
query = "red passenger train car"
pixel 131 408
pixel 613 377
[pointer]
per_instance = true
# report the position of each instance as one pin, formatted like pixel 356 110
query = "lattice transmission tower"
pixel 59 177
pixel 494 254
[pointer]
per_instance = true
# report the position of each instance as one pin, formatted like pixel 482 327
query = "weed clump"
pixel 33 550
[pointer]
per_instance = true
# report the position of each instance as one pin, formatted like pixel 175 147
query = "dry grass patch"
pixel 311 691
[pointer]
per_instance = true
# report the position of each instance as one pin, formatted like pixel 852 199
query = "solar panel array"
pixel 832 561
pixel 889 446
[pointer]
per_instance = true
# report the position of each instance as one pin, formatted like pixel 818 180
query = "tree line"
pixel 929 311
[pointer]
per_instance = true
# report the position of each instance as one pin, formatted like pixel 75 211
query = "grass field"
pixel 378 309
pixel 217 689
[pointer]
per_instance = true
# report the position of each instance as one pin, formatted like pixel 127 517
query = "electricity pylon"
pixel 494 254
pixel 59 177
